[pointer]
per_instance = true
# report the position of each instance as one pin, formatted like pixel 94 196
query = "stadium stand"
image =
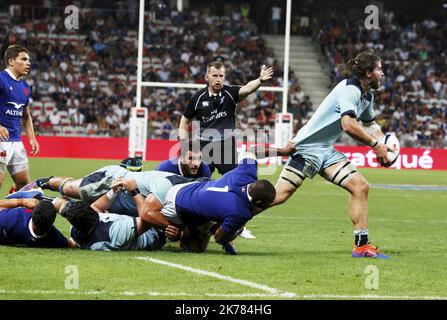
pixel 413 99
pixel 93 70
pixel 84 82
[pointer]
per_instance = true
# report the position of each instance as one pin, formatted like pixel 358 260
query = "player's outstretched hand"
pixel 287 150
pixel 173 233
pixel 4 134
pixel 266 73
pixel 117 184
pixel 30 203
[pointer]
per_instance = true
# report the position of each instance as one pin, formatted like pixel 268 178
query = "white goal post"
pixel 138 130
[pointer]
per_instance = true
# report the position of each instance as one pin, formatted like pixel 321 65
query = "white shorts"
pixel 13 154
pixel 168 209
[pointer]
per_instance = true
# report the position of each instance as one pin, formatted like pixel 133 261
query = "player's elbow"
pixel 348 124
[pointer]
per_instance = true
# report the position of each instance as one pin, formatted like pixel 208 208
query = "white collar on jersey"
pixel 180 167
pixel 30 227
pixel 11 74
pixel 217 95
pixel 248 195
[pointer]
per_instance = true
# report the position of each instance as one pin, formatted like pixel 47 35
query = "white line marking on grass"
pixel 214 295
pixel 271 291
pixel 370 296
pixel 385 195
pixel 343 219
pixel 145 293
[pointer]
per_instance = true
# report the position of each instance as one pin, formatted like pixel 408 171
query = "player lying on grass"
pixel 93 229
pixel 230 201
pixel 348 108
pixel 189 164
pixel 29 222
pixel 90 187
pixel 96 184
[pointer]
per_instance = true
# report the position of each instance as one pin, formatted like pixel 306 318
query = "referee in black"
pixel 214 107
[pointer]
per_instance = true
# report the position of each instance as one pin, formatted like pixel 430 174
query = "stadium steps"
pixel 304 61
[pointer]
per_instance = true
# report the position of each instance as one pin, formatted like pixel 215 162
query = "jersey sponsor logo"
pixel 364 103
pixel 214 116
pixel 14 112
pixel 205 103
pixel 16 105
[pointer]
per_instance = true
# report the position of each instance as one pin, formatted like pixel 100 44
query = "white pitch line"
pixel 390 195
pixel 216 295
pixel 143 293
pixel 246 283
pixel 370 296
pixel 343 219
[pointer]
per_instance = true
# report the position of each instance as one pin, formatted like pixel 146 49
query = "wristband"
pixel 111 195
pixel 134 192
pixel 374 143
pixel 262 81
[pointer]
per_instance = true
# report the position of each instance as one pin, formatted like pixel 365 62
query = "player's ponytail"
pixel 347 69
pixel 363 62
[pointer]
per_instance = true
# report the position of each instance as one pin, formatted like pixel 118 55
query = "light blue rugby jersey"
pixel 118 232
pixel 156 182
pixel 324 127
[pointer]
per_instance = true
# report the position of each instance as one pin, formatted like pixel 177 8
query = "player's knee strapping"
pixel 293 176
pixel 61 187
pixel 343 173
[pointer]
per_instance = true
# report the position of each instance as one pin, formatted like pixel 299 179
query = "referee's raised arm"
pixel 265 75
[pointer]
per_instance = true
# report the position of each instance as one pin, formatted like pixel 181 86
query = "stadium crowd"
pixel 84 80
pixel 413 99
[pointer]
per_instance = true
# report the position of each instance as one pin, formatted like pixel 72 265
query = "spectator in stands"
pixel 275 18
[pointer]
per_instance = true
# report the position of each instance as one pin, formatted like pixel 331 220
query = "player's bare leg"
pixel 20 179
pixel 2 177
pixel 65 185
pixel 345 175
pixel 289 181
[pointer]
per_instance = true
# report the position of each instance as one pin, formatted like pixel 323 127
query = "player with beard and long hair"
pixel 347 108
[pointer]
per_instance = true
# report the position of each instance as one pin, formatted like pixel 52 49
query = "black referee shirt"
pixel 214 112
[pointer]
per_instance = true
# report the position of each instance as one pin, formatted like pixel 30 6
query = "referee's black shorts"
pixel 220 155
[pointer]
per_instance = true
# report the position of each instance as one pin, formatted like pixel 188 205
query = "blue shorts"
pixel 311 160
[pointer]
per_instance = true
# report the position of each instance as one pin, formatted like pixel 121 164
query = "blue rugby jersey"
pixel 173 165
pixel 14 97
pixel 223 200
pixel 14 230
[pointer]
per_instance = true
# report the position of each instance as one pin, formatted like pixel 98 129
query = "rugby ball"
pixel 392 143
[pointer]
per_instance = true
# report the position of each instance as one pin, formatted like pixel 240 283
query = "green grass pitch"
pixel 302 250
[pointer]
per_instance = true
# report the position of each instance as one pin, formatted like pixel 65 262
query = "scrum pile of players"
pixel 122 207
